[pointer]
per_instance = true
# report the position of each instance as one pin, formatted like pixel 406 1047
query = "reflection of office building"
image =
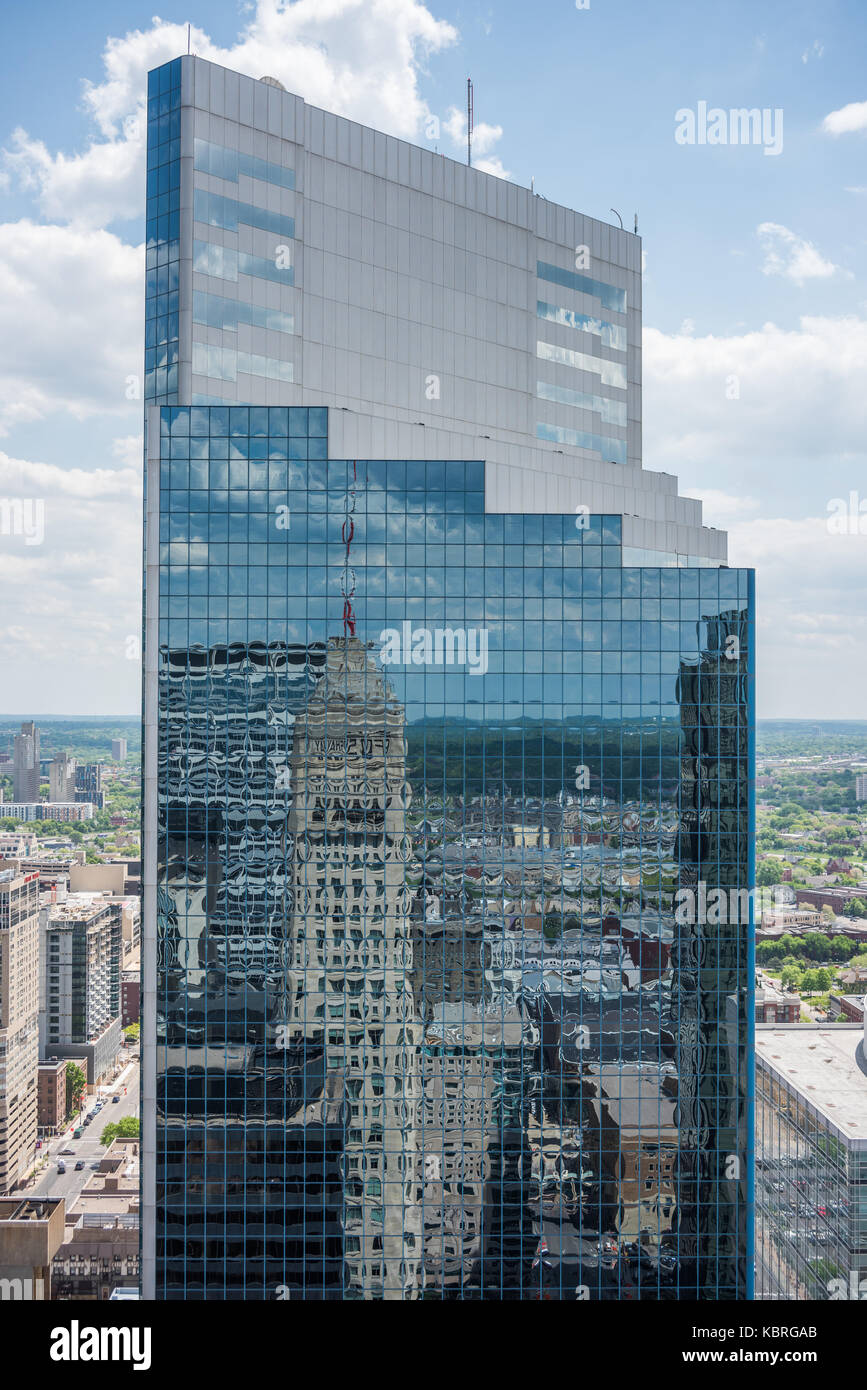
pixel 350 955
pixel 26 778
pixel 466 1056
pixel 19 1020
pixel 811 1162
pixel 576 742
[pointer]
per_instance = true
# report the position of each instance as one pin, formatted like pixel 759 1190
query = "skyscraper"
pixel 62 779
pixel 26 773
pixel 88 784
pixel 447 699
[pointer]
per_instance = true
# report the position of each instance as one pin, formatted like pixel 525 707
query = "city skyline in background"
pixel 753 289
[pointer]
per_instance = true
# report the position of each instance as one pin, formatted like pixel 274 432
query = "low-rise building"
pixel 100 1249
pixel 773 1006
pixel 46 810
pixel 18 845
pixel 811 1161
pixel 779 920
pixel 850 1005
pixel 31 1233
pixel 835 898
pixel 51 1103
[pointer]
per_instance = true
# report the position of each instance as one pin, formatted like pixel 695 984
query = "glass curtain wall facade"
pixel 428 782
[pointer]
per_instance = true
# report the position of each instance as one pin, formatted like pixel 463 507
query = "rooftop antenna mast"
pixel 469 120
pixel 188 39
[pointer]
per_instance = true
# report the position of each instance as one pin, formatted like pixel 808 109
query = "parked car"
pixel 77 1134
pixel 115 1100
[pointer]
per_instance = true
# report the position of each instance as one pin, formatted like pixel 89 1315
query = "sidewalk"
pixel 118 1083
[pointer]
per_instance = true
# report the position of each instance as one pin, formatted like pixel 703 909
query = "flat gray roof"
pixel 825 1066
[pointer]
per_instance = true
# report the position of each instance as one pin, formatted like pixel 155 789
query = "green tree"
pixel 809 982
pixel 769 873
pixel 132 1032
pixel 127 1128
pixel 75 1084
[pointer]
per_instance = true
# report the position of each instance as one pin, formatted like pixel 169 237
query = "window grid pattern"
pixel 162 233
pixel 430 779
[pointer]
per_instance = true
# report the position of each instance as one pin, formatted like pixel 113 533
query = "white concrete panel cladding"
pixel 440 312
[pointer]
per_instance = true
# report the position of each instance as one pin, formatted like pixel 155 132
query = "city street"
pixel 48 1182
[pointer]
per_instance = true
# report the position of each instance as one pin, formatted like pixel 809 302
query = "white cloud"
pixel 756 402
pixel 485 136
pixel 70 322
pixel 93 189
pixel 71 602
pixel 129 450
pixel 723 507
pixel 357 58
pixel 781 416
pixel 847 119
pixel 791 256
pixel 811 607
pixel 816 50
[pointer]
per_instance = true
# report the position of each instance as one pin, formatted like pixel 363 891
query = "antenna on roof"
pixel 188 40
pixel 469 120
pixel 617 215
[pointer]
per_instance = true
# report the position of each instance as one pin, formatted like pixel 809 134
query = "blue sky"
pixel 755 274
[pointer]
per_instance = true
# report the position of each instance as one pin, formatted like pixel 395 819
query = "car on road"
pixel 68 1152
pixel 79 1165
pixel 77 1134
pixel 61 1166
pixel 115 1100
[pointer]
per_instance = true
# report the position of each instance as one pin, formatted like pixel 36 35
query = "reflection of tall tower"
pixel 350 955
pixel 713 994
